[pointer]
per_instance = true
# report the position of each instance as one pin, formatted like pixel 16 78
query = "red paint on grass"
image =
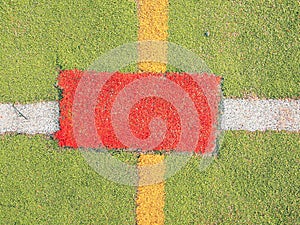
pixel 203 90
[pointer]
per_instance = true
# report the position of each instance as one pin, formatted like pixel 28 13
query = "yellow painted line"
pixel 153 25
pixel 150 199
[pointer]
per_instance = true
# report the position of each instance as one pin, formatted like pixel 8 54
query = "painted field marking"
pixel 153 25
pixel 239 114
pixel 150 199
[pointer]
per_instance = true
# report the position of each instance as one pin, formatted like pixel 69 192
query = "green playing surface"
pixel 254 45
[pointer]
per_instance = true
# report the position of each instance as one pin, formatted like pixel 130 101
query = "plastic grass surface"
pixel 43 184
pixel 254 180
pixel 38 38
pixel 254 46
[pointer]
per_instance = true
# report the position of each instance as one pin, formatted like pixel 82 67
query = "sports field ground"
pixel 253 45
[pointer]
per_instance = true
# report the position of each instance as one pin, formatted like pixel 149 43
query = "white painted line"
pixel 239 114
pixel 252 115
pixel 30 119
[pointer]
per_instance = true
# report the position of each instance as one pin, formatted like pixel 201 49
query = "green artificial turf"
pixel 253 44
pixel 39 38
pixel 43 184
pixel 254 180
